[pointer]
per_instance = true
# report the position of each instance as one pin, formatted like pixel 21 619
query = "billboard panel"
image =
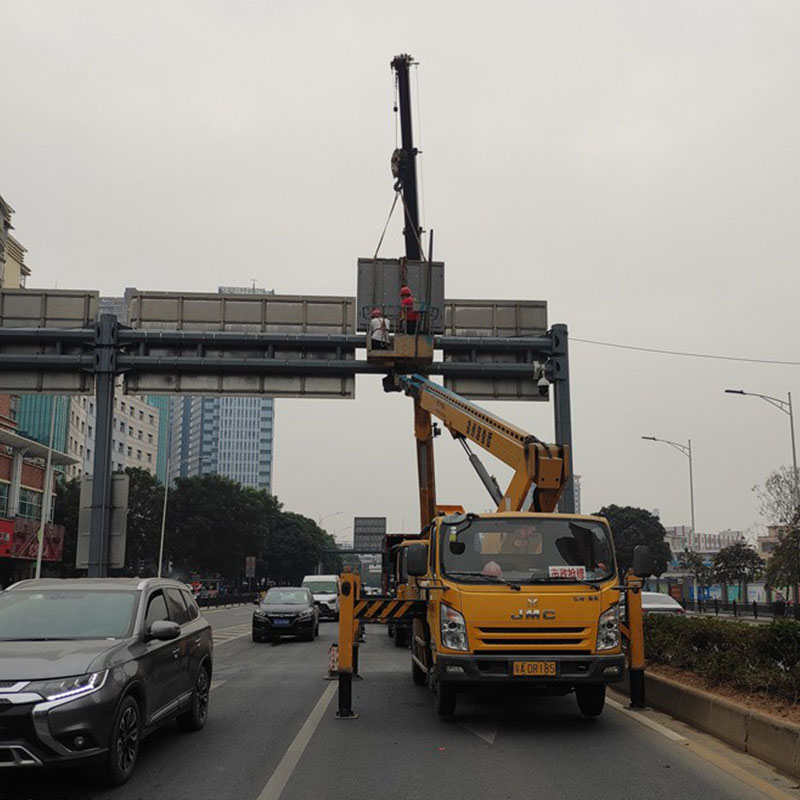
pixel 244 313
pixel 379 282
pixel 118 525
pixel 494 319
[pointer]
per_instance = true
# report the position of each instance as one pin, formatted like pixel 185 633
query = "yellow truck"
pixel 523 597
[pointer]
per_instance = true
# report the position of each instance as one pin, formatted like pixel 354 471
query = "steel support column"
pixel 558 375
pixel 105 375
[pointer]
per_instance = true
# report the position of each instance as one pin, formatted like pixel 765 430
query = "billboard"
pixel 25 541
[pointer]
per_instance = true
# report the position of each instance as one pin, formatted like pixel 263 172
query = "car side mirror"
pixel 417 560
pixel 642 561
pixel 164 630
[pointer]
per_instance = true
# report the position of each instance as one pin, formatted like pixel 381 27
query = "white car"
pixel 325 589
pixel 657 603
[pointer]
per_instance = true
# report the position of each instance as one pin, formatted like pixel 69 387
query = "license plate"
pixel 528 668
pixel 280 622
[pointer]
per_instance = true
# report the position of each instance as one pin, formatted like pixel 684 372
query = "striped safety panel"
pixel 375 610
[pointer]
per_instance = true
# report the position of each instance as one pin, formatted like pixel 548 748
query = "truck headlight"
pixel 608 629
pixel 454 629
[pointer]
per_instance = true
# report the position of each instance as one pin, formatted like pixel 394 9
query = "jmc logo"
pixel 534 613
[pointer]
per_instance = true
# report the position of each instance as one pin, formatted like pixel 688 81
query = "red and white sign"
pixel 573 573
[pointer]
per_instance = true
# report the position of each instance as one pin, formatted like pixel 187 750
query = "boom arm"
pixel 535 463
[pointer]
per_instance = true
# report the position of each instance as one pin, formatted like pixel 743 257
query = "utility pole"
pixel 404 164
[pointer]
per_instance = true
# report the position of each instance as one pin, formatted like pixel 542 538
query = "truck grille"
pixel 533 639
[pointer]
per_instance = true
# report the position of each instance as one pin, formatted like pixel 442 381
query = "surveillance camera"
pixel 543 386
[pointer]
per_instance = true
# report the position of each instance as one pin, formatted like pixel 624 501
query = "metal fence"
pixel 775 610
pixel 222 600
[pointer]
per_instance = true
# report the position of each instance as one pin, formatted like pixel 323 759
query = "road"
pixel 272 735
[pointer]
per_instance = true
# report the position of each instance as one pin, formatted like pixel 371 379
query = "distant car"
pixel 325 589
pixel 657 603
pixel 286 611
pixel 89 666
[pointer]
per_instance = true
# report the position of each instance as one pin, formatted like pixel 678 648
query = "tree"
pixel 783 567
pixel 632 526
pixel 143 537
pixel 777 498
pixel 65 512
pixel 695 565
pixel 737 563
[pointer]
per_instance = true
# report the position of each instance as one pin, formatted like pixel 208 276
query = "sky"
pixel 633 163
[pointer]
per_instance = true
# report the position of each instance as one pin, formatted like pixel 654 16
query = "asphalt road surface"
pixel 272 735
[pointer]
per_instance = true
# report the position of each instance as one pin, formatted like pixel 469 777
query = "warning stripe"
pixel 386 610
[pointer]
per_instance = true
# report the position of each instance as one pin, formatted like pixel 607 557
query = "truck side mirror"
pixel 417 560
pixel 642 561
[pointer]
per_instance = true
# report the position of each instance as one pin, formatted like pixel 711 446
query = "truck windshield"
pixel 527 551
pixel 321 587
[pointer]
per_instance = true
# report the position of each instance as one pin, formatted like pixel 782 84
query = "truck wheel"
pixel 400 637
pixel 445 699
pixel 418 675
pixel 591 698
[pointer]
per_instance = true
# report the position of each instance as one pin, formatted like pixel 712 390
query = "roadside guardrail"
pixel 224 600
pixel 757 611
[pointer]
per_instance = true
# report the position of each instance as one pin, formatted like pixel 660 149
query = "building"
pixel 680 538
pixel 228 436
pixel 765 545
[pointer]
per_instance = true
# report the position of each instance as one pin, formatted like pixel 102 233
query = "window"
pixel 156 610
pixel 130 451
pixel 30 504
pixel 133 411
pixel 190 605
pixel 141 414
pixel 90 432
pixel 141 435
pixel 122 406
pixel 120 447
pixel 3 498
pixel 177 607
pixel 151 419
pixel 88 454
pixel 149 438
pixel 130 430
pixel 149 458
pixel 138 455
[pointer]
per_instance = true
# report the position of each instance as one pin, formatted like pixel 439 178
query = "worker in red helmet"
pixel 379 330
pixel 409 313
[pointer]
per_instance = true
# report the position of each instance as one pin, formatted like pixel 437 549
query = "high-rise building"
pixel 229 436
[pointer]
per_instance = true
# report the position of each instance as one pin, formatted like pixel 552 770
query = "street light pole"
pixel 686 449
pixel 326 516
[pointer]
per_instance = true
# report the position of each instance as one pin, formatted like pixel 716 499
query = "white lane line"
pixel 284 770
pixel 647 722
pixel 216 685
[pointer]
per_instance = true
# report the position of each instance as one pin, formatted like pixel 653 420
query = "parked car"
pixel 325 589
pixel 286 611
pixel 657 603
pixel 89 666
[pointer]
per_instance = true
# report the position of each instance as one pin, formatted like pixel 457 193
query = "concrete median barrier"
pixel 767 738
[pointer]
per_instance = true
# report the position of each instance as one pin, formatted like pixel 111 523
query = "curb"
pixel 777 743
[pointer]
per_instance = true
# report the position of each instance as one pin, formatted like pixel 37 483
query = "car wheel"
pixel 591 698
pixel 195 717
pixel 445 699
pixel 124 746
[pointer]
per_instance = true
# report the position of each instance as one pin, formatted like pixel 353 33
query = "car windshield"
pixel 286 597
pixel 321 587
pixel 46 614
pixel 527 550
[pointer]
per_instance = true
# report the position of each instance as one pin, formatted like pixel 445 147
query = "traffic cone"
pixel 333 663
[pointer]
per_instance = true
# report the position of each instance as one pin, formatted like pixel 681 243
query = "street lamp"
pixel 326 516
pixel 686 449
pixel 786 407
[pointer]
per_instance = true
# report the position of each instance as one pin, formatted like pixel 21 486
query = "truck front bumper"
pixel 498 669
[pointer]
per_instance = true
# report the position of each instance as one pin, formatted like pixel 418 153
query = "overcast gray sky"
pixel 636 164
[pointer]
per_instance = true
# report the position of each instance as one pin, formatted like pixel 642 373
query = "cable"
pixel 686 355
pixel 391 211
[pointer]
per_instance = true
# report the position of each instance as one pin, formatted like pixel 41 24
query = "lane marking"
pixel 223 635
pixel 648 723
pixel 284 770
pixel 216 685
pixel 485 731
pixel 700 750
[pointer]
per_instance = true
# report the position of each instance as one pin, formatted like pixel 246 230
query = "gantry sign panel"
pixel 287 315
pixel 57 310
pixel 502 321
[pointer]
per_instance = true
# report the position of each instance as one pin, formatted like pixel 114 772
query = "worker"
pixel 379 330
pixel 410 315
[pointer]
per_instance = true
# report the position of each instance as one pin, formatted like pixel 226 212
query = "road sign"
pixel 118 524
pixel 250 566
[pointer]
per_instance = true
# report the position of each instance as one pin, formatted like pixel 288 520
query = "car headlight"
pixel 454 629
pixel 608 629
pixel 72 687
pixel 260 614
pixel 309 612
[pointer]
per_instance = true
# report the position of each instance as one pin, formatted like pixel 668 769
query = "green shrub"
pixel 753 658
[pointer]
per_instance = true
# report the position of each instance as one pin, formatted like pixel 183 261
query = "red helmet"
pixel 405 290
pixel 376 312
